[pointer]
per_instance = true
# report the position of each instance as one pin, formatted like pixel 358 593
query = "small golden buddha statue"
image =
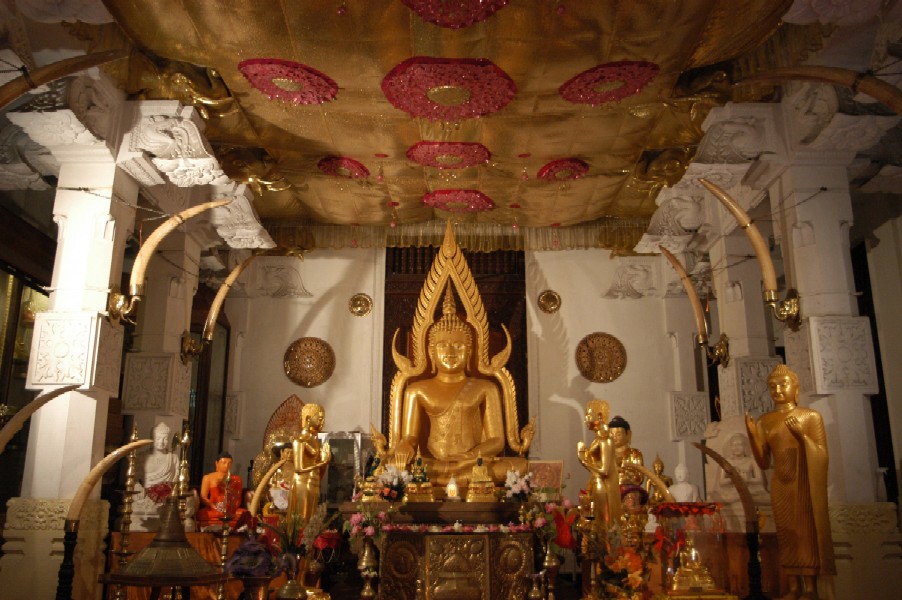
pixel 420 488
pixel 481 488
pixel 655 496
pixel 598 458
pixel 793 440
pixel 692 576
pixel 622 437
pixel 450 399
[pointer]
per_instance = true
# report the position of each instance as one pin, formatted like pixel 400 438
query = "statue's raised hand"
pixel 793 424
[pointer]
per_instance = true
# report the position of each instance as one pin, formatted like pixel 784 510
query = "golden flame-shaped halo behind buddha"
pixel 450 268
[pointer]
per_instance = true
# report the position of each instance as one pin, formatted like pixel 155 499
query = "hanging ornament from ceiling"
pixel 448 89
pixel 459 201
pixel 288 81
pixel 609 82
pixel 342 166
pixel 449 155
pixel 454 14
pixel 563 169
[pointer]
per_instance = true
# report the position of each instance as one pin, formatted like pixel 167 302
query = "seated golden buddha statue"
pixel 692 575
pixel 622 437
pixel 450 400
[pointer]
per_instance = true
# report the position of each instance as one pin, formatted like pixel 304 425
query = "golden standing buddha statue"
pixel 449 398
pixel 310 460
pixel 793 438
pixel 598 458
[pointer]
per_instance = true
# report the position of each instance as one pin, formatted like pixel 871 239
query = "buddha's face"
pixel 620 436
pixel 161 440
pixel 594 420
pixel 452 351
pixel 737 447
pixel 680 474
pixel 316 421
pixel 782 389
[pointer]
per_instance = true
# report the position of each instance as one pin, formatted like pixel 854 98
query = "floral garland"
pixel 685 509
pixel 288 81
pixel 609 82
pixel 563 169
pixel 342 166
pixel 454 14
pixel 459 201
pixel 518 487
pixel 478 87
pixel 159 492
pixel 449 155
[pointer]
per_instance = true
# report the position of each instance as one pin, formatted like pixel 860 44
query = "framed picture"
pixel 350 451
pixel 547 478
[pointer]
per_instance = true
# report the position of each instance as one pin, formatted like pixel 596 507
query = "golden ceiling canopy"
pixel 398 112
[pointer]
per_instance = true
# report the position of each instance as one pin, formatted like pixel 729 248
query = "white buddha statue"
pixel 160 466
pixel 682 490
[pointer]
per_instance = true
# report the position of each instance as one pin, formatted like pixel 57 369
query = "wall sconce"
pixel 719 354
pixel 787 310
pixel 121 307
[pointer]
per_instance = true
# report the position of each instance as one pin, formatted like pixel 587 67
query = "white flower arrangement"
pixel 518 487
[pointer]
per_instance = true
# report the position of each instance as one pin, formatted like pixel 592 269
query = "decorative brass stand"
pixel 223 553
pixel 367 565
pixel 123 553
pixel 551 566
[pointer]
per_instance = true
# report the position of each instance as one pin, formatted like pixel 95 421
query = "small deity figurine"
pixel 599 459
pixel 310 461
pixel 481 488
pixel 737 451
pixel 220 493
pixel 622 436
pixel 655 496
pixel 794 440
pixel 682 490
pixel 419 489
pixel 692 575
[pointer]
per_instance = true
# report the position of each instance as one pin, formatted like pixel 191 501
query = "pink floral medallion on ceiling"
pixel 449 155
pixel 448 89
pixel 609 82
pixel 455 14
pixel 342 166
pixel 288 81
pixel 459 201
pixel 563 169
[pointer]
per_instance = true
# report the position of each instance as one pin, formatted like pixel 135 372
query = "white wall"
pixel 651 336
pixel 264 327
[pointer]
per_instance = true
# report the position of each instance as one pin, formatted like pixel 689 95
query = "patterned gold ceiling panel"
pixel 631 129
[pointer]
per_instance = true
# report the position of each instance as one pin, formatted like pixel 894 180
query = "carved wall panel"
pixel 156 382
pixel 842 355
pixel 753 393
pixel 234 410
pixel 66 350
pixel 689 415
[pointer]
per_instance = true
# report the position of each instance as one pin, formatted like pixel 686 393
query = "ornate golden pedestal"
pixel 456 566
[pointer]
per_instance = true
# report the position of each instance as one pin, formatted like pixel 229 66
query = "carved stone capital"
pixel 238 223
pixel 853 133
pixel 689 415
pixel 842 355
pixel 69 348
pixel 63 133
pixel 678 217
pixel 739 133
pixel 743 386
pixel 879 517
pixel 635 277
pixel 156 381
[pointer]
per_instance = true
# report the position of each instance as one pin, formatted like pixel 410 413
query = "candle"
pixel 751 231
pixel 451 492
pixel 700 323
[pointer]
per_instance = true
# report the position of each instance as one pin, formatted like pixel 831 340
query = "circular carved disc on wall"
pixel 600 357
pixel 360 305
pixel 309 361
pixel 549 301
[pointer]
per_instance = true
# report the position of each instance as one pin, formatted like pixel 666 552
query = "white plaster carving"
pixel 36 514
pixel 743 386
pixel 634 278
pixel 274 276
pixel 237 223
pixel 157 382
pixel 168 198
pixel 809 107
pixel 56 11
pixel 736 140
pixel 109 357
pixel 70 347
pixel 853 132
pixel 689 415
pixel 888 181
pixel 15 172
pixel 798 356
pixel 234 411
pixel 878 517
pixel 59 128
pixel 842 355
pixel 95 101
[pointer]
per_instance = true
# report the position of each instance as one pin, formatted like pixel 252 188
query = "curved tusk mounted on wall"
pixel 94 475
pixel 784 310
pixel 258 492
pixel 22 415
pixel 865 83
pixel 720 353
pixel 193 348
pixel 122 307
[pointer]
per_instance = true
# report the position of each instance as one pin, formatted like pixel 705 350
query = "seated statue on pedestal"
pixel 161 466
pixel 622 437
pixel 683 490
pixel 449 399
